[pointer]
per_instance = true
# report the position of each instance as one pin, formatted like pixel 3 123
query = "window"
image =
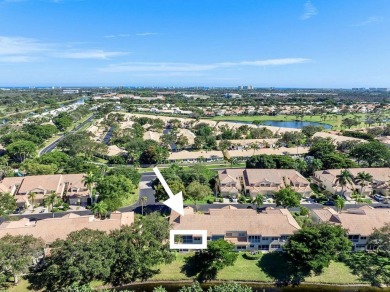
pixel 197 238
pixel 274 238
pixel 187 239
pixel 208 238
pixel 252 246
pixel 353 238
pixel 254 238
pixel 265 238
pixel 216 237
pixel 240 247
pixel 229 234
pixel 363 237
pixel 241 234
pixel 264 247
pixel 283 237
pixel 275 245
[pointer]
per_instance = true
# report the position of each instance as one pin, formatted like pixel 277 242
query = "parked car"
pixel 329 203
pixel 17 211
pixel 379 198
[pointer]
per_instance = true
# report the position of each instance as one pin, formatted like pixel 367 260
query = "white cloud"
pixel 16 59
pixel 89 54
pixel 309 12
pixel 117 35
pixel 146 33
pixel 21 49
pixel 21 45
pixel 370 20
pixel 191 67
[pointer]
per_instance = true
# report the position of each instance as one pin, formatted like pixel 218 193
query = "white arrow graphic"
pixel 175 202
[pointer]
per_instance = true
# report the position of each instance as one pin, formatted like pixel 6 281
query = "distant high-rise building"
pixel 245 87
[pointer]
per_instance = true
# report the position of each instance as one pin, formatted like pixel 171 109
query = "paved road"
pixel 108 136
pixel 53 145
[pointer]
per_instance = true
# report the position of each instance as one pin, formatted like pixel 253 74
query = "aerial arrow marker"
pixel 175 202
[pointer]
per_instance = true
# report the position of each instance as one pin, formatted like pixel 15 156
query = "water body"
pixel 288 124
pixel 174 287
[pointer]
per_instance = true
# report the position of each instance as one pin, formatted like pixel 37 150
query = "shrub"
pixel 252 257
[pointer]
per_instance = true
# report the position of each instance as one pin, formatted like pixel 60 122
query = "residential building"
pixel 195 156
pixel 52 229
pixel 245 228
pixel 67 186
pixel 233 182
pixel 327 179
pixel 360 223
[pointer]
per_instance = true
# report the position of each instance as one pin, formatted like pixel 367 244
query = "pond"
pixel 174 287
pixel 288 124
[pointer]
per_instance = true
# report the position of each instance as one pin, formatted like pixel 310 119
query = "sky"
pixel 263 43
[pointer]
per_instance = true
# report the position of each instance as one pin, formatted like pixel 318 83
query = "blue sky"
pixel 280 43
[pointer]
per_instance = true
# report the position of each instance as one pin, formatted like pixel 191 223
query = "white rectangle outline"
pixel 173 245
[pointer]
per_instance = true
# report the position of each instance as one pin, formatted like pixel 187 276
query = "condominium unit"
pixel 260 181
pixel 360 222
pixel 52 229
pixel 327 179
pixel 67 186
pixel 245 228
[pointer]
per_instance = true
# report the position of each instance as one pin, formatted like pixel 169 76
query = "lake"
pixel 288 124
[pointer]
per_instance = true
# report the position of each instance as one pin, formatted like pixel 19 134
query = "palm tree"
pixel 100 209
pixel 89 181
pixel 32 197
pixel 255 147
pixel 258 200
pixel 362 178
pixel 143 200
pixel 233 161
pixel 51 199
pixel 339 203
pixel 343 179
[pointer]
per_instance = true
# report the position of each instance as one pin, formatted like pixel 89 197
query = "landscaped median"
pixel 252 271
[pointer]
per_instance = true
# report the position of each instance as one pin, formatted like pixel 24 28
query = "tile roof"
pixel 58 228
pixel 272 222
pixel 361 221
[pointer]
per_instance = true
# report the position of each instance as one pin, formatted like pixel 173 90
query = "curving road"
pixel 54 144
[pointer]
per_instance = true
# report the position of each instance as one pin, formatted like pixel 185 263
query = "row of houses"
pixel 252 182
pixel 69 187
pixel 245 228
pixel 270 229
pixel 327 179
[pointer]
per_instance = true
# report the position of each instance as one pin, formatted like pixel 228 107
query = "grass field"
pixel 243 270
pixel 333 120
pixel 248 270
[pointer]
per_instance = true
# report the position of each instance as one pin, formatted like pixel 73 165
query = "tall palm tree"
pixel 258 200
pixel 339 203
pixel 363 179
pixel 100 209
pixel 32 196
pixel 255 147
pixel 89 181
pixel 143 200
pixel 343 179
pixel 51 199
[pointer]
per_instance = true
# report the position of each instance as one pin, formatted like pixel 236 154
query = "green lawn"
pixel 132 199
pixel 204 201
pixel 248 270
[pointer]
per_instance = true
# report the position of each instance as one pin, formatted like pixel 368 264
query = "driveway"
pixel 145 188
